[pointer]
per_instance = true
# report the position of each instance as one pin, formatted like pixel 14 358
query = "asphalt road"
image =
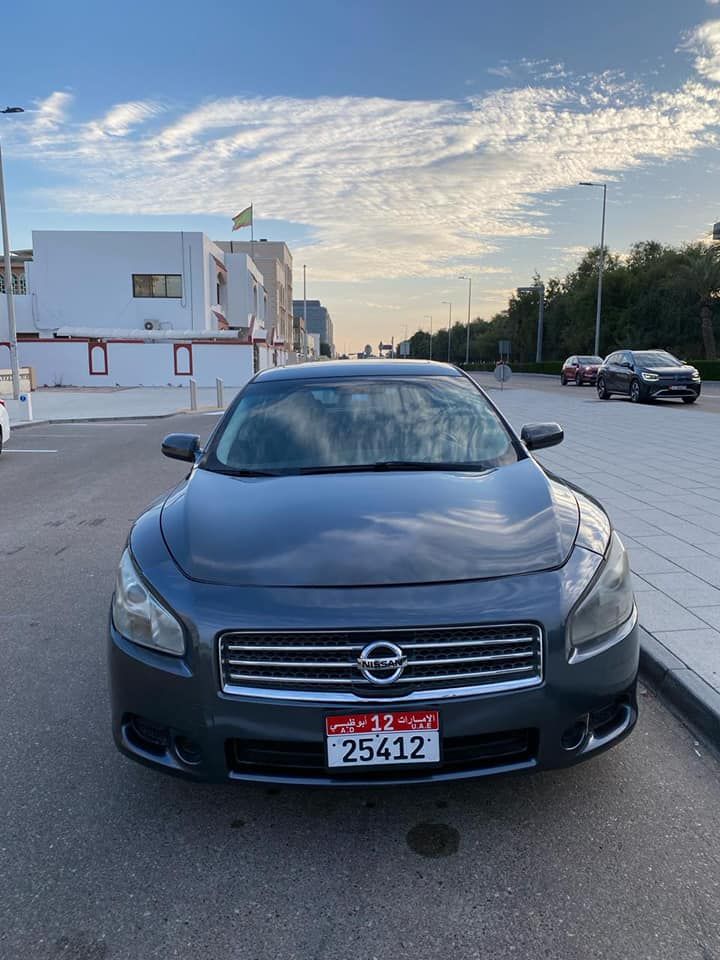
pixel 100 858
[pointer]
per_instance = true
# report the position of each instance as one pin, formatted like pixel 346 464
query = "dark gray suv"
pixel 366 577
pixel 647 375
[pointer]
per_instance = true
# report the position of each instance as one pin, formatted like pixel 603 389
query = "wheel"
pixel 563 380
pixel 689 399
pixel 578 380
pixel 602 390
pixel 635 392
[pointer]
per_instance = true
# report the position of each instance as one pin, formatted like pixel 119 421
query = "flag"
pixel 243 219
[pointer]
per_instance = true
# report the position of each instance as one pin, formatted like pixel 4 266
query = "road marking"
pixel 29 451
pixel 213 413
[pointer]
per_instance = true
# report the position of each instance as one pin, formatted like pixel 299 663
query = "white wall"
pixel 243 275
pixel 60 362
pixel 83 278
pixel 23 314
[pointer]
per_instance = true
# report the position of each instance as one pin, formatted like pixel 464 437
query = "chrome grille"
pixel 437 659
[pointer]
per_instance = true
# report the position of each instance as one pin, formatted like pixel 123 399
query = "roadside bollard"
pixel 219 391
pixel 193 395
pixel 26 406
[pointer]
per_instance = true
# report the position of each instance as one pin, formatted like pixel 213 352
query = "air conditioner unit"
pixel 152 324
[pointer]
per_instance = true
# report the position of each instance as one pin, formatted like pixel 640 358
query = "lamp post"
pixel 467 336
pixel 601 265
pixel 12 328
pixel 538 288
pixel 449 304
pixel 428 316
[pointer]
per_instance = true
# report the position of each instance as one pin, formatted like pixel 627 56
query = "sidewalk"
pixel 656 469
pixel 91 403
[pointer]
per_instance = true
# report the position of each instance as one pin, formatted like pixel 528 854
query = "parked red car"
pixel 580 370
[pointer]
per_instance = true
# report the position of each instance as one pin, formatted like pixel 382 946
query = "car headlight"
pixel 138 615
pixel 695 374
pixel 650 376
pixel 607 604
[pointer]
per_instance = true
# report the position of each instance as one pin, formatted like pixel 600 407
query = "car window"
pixel 587 360
pixel 288 425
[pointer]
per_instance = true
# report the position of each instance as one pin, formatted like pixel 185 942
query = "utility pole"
pixel 601 264
pixel 7 255
pixel 449 304
pixel 467 336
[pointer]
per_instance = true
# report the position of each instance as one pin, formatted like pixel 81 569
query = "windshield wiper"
pixel 381 465
pixel 239 472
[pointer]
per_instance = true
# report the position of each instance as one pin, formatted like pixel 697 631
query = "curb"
pixel 131 417
pixel 680 688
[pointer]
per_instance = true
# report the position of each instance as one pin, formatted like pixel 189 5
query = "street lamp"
pixel 7 255
pixel 449 304
pixel 428 316
pixel 538 288
pixel 601 265
pixel 467 337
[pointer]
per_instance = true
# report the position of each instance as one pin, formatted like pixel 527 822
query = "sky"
pixel 395 145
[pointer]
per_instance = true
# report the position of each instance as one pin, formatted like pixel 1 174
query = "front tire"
pixel 563 380
pixel 689 399
pixel 602 389
pixel 635 392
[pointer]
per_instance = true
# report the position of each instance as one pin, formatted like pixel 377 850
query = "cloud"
pixel 502 71
pixel 385 188
pixel 704 41
pixel 50 113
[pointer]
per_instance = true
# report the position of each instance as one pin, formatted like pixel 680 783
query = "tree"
pixel 699 273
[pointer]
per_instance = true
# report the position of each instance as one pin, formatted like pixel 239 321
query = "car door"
pixel 571 368
pixel 625 372
pixel 610 369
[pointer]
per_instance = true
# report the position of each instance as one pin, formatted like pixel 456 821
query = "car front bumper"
pixel 669 391
pixel 159 720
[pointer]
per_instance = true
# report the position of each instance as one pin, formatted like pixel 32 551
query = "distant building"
pixel 274 261
pixel 318 321
pixel 139 308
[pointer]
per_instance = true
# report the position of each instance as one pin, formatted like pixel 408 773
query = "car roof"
pixel 358 368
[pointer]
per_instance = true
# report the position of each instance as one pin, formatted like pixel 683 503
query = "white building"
pixel 275 263
pixel 132 307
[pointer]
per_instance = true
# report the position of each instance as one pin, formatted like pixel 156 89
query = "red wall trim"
pixel 93 357
pixel 177 348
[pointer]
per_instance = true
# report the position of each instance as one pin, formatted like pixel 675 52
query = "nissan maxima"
pixel 367 577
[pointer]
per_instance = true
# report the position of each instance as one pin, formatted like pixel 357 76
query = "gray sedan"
pixel 366 577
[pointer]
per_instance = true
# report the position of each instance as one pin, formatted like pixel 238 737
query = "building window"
pixel 167 285
pixel 19 284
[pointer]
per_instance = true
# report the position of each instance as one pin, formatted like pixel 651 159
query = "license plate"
pixel 678 387
pixel 373 739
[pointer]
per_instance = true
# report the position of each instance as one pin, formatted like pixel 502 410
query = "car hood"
pixel 369 529
pixel 683 372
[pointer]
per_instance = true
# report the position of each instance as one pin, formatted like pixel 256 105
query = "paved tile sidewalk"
pixel 656 469
pixel 91 403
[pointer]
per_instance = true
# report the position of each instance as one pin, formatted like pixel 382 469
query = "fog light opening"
pixel 188 751
pixel 148 735
pixel 576 734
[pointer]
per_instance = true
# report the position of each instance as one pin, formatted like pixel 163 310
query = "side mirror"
pixel 181 446
pixel 535 436
pixel 626 363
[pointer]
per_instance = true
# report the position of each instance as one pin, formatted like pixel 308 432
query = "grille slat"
pixel 437 658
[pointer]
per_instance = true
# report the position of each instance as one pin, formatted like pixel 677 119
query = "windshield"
pixel 306 425
pixel 597 360
pixel 656 358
